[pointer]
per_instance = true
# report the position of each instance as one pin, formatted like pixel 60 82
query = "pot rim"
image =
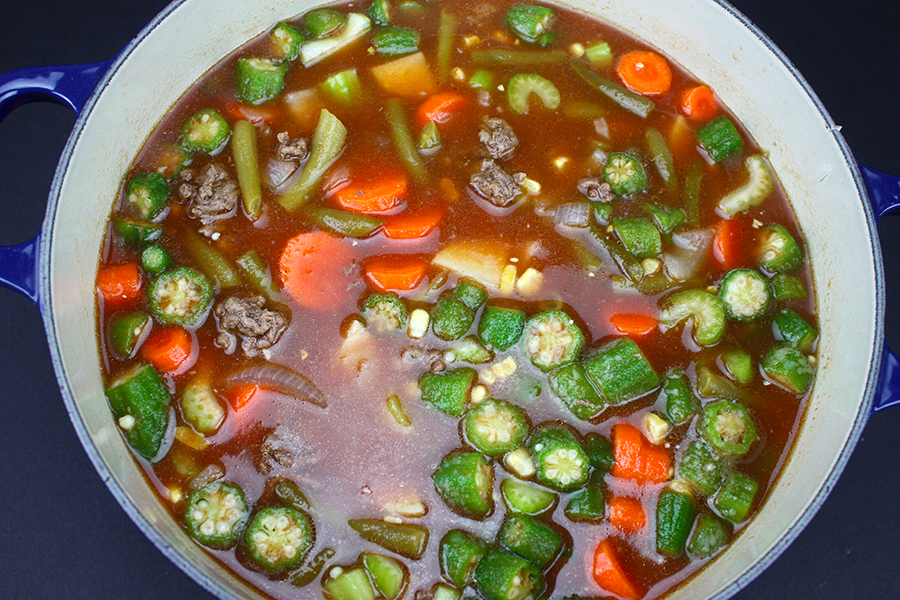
pixel 214 586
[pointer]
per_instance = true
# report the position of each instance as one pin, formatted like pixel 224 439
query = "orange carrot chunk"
pixel 627 514
pixel 313 269
pixel 646 73
pixel 440 108
pixel 119 284
pixel 636 459
pixel 170 350
pixel 395 273
pixel 633 324
pixel 376 195
pixel 608 572
pixel 727 244
pixel 698 103
pixel 241 395
pixel 406 227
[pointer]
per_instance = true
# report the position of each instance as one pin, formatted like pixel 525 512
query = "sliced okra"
pixel 216 514
pixel 323 22
pixel 777 251
pixel 501 575
pixel 788 287
pixel 530 22
pixel 470 293
pixel 621 371
pixel 532 539
pixel 385 313
pixel 746 295
pixel 465 481
pixel 560 461
pixel 788 367
pixel 665 218
pixel 389 576
pixel 735 498
pixel 501 327
pixel 471 350
pixel 348 584
pixel 127 331
pixel 706 310
pixel 720 139
pixel 625 174
pixel 380 12
pixel 551 339
pixel 599 451
pixel 586 505
pixel 701 468
pixel 495 426
pixel 526 498
pixel 200 407
pixel 680 403
pixel 639 236
pixel 460 552
pixel 155 260
pixel 675 513
pixel 572 386
pixel 135 232
pixel 710 535
pixel 406 539
pixel 141 395
pixel 205 131
pixel 791 328
pixel 393 40
pixel 728 428
pixel 258 80
pixel 279 538
pixel 448 391
pixel 286 41
pixel 147 195
pixel 451 319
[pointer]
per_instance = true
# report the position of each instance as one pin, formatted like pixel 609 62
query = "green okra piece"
pixel 394 40
pixel 572 386
pixel 344 87
pixel 552 339
pixel 734 499
pixel 532 539
pixel 155 259
pixel 451 319
pixel 350 584
pixel 788 287
pixel 639 236
pixel 200 407
pixel 290 495
pixel 146 195
pixel 791 328
pixel 788 367
pixel 448 391
pixel 465 481
pixel 777 251
pixel 680 403
pixel 285 40
pixel 216 514
pixel 460 552
pixel 258 79
pixel 495 427
pixel 181 296
pixel 323 22
pixel 389 576
pixel 526 498
pixel 701 468
pixel 710 535
pixel 385 312
pixel 470 293
pixel 137 233
pixel 625 174
pixel 720 139
pixel 529 21
pixel 140 395
pixel 713 385
pixel 501 575
pixel 599 451
pixel 308 571
pixel 559 460
pixel 205 131
pixel 675 513
pixel 621 371
pixel 727 428
pixel 126 331
pixel 406 539
pixel 665 218
pixel 738 364
pixel 586 505
pixel 471 350
pixel 501 327
pixel 279 538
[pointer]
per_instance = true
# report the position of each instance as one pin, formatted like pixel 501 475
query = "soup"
pixel 455 298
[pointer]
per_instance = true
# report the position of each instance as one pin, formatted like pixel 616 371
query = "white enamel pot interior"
pixel 709 39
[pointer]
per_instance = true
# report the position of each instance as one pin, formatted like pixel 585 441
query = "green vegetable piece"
pixel 257 273
pixel 394 40
pixel 728 428
pixel 258 80
pixel 705 310
pixel 501 327
pixel 279 538
pixel 212 262
pixel 403 140
pixel 200 406
pixel 446 44
pixel 155 260
pixel 759 185
pixel 586 505
pixel 180 297
pixel 395 407
pixel 502 57
pixel 308 571
pixel 495 426
pixel 522 85
pixel 323 22
pixel 351 584
pixel 482 79
pixel 380 12
pixel 551 339
pixel 791 328
pixel 470 350
pixel 746 295
pixel 442 591
pixel 533 540
pixel 529 22
pixel 327 143
pixel 357 25
pixel 285 41
pixel 788 287
pixel 665 218
pixel 451 319
pixel 662 159
pixel 639 236
pixel 147 195
pixel 710 535
pixel 412 8
pixel 429 139
pixel 621 371
pixel 448 391
pixel 599 451
pixel 735 498
pixel 290 495
pixel 691 192
pixel 216 514
pixel 140 401
pixel 720 139
pixel 559 460
pixel 501 575
pixel 470 293
pixel 385 313
pixel 465 481
pixel 388 575
pixel 738 364
pixel 628 100
pixel 206 131
pixel 680 403
pixel 599 55
pixel 137 233
pixel 674 516
pixel 406 539
pixel 713 385
pixel 347 224
pixel 246 162
pixel 522 497
pixel 460 552
pixel 625 174
pixel 701 468
pixel 573 387
pixel 127 331
pixel 788 367
pixel 343 87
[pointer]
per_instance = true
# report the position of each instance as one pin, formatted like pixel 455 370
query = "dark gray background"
pixel 63 536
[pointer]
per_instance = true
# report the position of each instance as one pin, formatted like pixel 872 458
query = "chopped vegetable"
pixel 312 267
pixel 759 186
pixel 620 371
pixel 409 76
pixel 258 80
pixel 206 131
pixel 631 102
pixel 637 459
pixel 639 236
pixel 675 513
pixel 701 468
pixel 324 22
pixel 451 319
pixel 357 26
pixel 200 407
pixel 182 296
pixel 728 428
pixel 609 574
pixel 465 481
pixel 625 174
pixel 573 387
pixel 460 552
pixel 286 41
pixel 552 339
pixel 445 43
pixel 698 103
pixel 127 331
pixel 412 226
pixel 212 262
pixel 344 223
pixel 448 391
pixel 155 260
pixel 216 515
pixel 522 85
pixel 170 350
pixel 495 426
pixel 398 273
pixel 501 575
pixel 119 285
pixel 721 140
pixel 327 144
pixel 406 539
pixel 560 461
pixel 705 310
pixel 395 40
pixel 735 498
pixel 532 539
pixel 373 194
pixel 745 295
pixel 351 584
pixel 388 575
pixel 526 498
pixel 147 195
pixel 140 394
pixel 279 538
pixel 344 88
pixel 403 141
pixel 529 21
pixel 788 287
pixel 501 327
pixel 586 505
pixel 644 72
pixel 244 148
pixel 738 364
pixel 440 108
pixel 627 514
pixel 788 367
pixel 791 328
pixel 385 312
pixel 710 535
pixel 777 250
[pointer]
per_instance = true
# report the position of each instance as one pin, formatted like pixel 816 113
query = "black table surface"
pixel 63 536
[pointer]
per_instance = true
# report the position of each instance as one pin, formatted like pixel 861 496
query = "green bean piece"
pixel 532 539
pixel 674 516
pixel 788 287
pixel 327 144
pixel 155 260
pixel 200 407
pixel 465 481
pixel 788 367
pixel 586 505
pixel 680 403
pixel 621 371
pixel 406 539
pixel 350 584
pixel 501 575
pixel 526 498
pixel 205 131
pixel 246 162
pixel 380 12
pixel 451 319
pixel 628 264
pixel 137 233
pixel 710 535
pixel 212 262
pixel 701 468
pixel 216 514
pixel 728 428
pixel 323 22
pixel 583 109
pixel 460 551
pixel 501 327
pixel 639 236
pixel 735 498
pixel 258 80
pixel 791 328
pixel 388 575
pixel 307 572
pixel 500 57
pixel 573 387
pixel 445 42
pixel 662 159
pixel 692 193
pixel 344 223
pixel 559 460
pixel 631 102
pixel 257 273
pixel 344 88
pixel 395 408
pixel 495 427
pixel 599 451
pixel 140 396
pixel 403 141
pixel 720 139
pixel 285 40
pixel 279 538
pixel 126 332
pixel 147 195
pixel 552 339
pixel 529 21
pixel 290 495
pixel 448 391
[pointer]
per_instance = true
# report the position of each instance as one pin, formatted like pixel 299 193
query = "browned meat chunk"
pixel 210 197
pixel 595 189
pixel 289 149
pixel 248 319
pixel 496 185
pixel 498 137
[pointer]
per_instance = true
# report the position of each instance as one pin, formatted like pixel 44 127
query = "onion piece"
pixel 573 214
pixel 690 253
pixel 277 172
pixel 281 379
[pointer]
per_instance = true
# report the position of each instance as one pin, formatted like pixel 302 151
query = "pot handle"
pixel 884 194
pixel 70 86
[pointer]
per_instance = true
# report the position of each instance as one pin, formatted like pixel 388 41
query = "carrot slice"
pixel 407 227
pixel 726 244
pixel 119 284
pixel 699 103
pixel 382 193
pixel 627 514
pixel 313 269
pixel 254 114
pixel 646 73
pixel 241 395
pixel 440 107
pixel 395 273
pixel 633 324
pixel 637 459
pixel 609 573
pixel 170 350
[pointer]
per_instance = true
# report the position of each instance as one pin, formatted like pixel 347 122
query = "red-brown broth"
pixel 352 457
